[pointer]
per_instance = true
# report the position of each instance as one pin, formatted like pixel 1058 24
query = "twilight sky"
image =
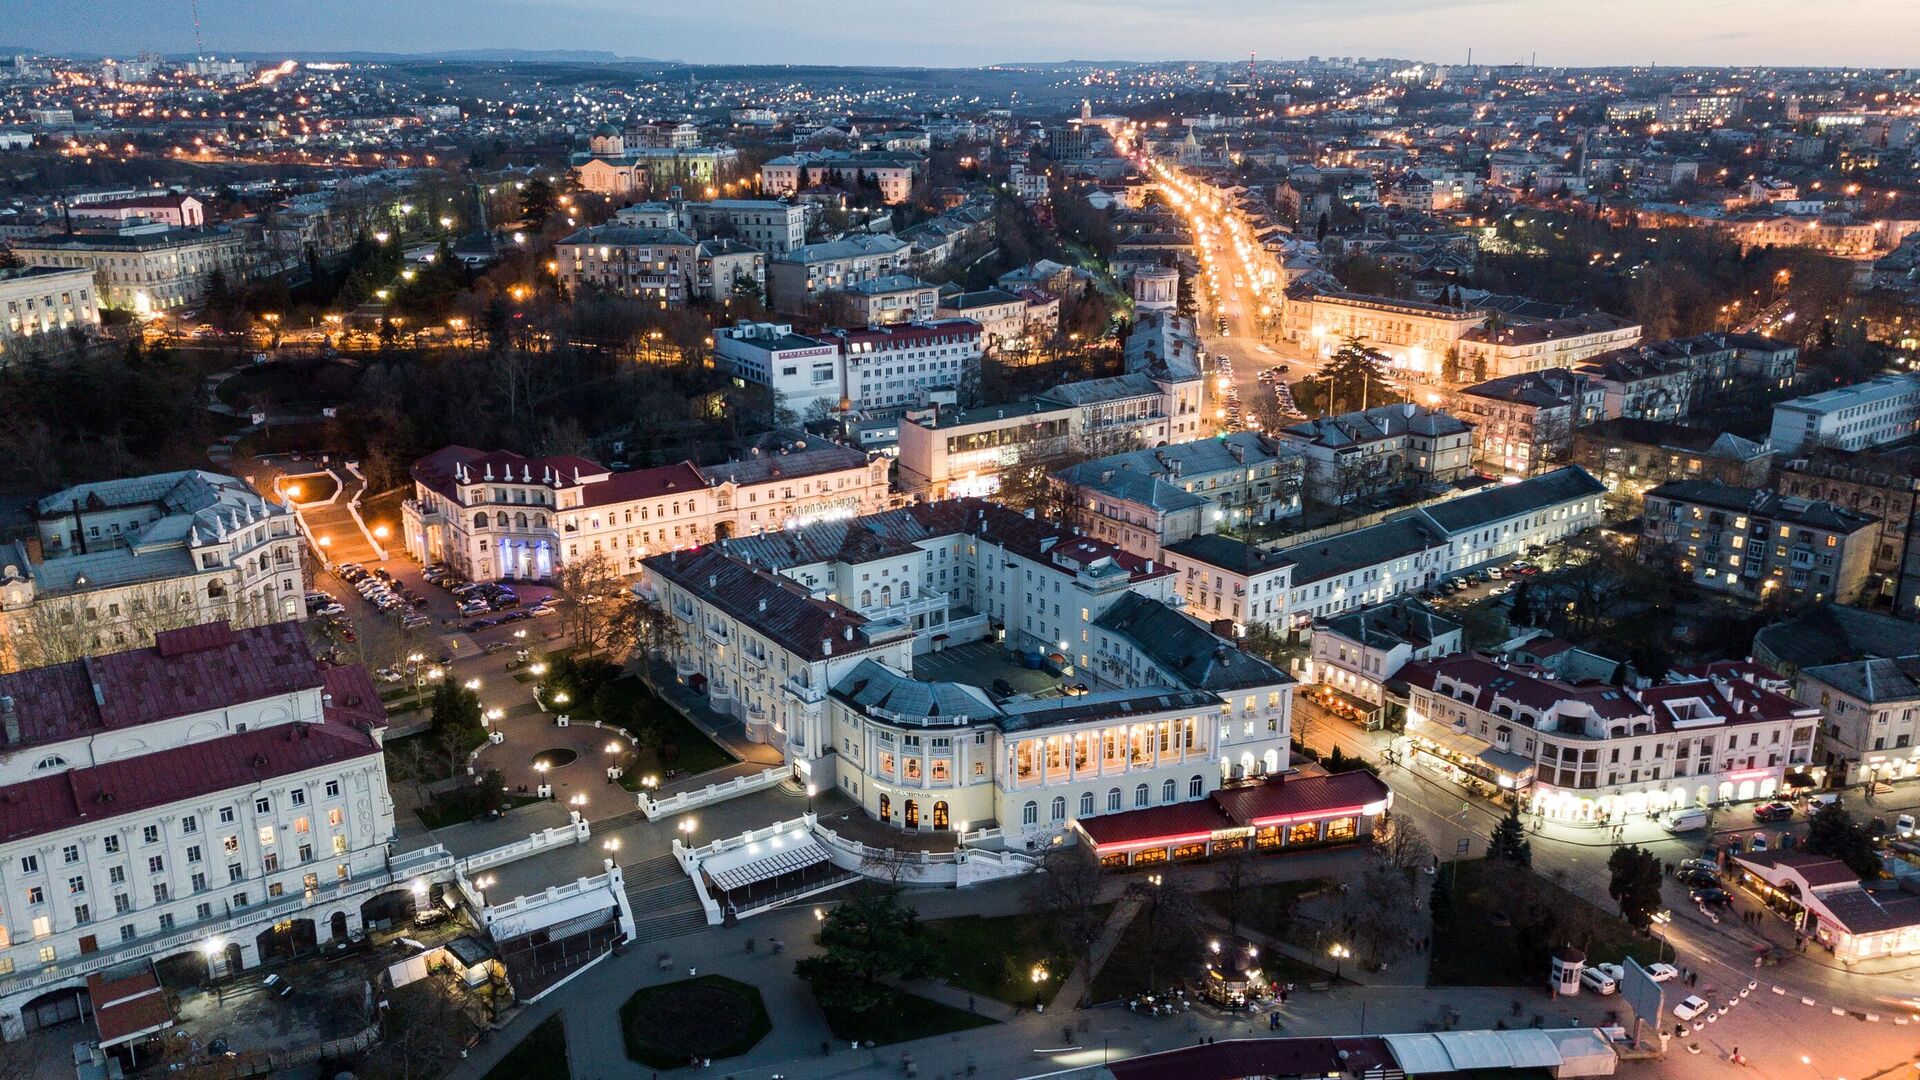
pixel 1882 33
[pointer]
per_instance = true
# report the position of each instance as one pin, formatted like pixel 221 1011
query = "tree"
pixel 1509 840
pixel 538 201
pixel 1634 883
pixel 597 612
pixel 1240 873
pixel 863 941
pixel 1356 378
pixel 1172 921
pixel 1066 893
pixel 426 1029
pixel 1832 832
pixel 1381 919
pixel 1403 846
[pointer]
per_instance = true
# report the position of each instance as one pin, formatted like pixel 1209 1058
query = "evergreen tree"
pixel 1832 832
pixel 1509 840
pixel 1634 882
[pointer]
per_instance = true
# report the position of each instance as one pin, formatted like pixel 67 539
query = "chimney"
pixel 10 717
pixel 849 633
pixel 763 604
pixel 826 646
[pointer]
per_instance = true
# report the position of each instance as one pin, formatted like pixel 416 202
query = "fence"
pixel 680 803
pixel 965 866
pixel 272 1062
pixel 576 832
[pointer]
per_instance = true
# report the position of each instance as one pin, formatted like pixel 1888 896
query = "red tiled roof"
pixel 126 1007
pixel 197 669
pixel 1283 799
pixel 677 479
pixel 1180 821
pixel 436 470
pixel 131 785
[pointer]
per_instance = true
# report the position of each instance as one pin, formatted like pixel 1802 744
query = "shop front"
pixel 1285 813
pixel 1466 762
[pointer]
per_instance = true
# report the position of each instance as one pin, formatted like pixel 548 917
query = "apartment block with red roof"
pixel 219 794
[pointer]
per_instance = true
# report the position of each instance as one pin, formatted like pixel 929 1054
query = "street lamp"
pixel 811 792
pixel 1339 953
pixel 1039 976
pixel 379 532
pixel 687 826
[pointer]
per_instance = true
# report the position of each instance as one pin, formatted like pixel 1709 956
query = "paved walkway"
pixel 1073 988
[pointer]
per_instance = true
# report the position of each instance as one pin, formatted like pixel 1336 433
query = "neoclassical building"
pixel 216 798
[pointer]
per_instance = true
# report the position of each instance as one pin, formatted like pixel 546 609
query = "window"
pixel 116 874
pixel 29 864
pixel 76 885
pixel 1196 787
pixel 190 824
pixel 199 884
pixel 1086 804
pixel 110 844
pixel 263 805
pixel 333 789
pixel 166 922
pixel 266 836
pixel 1113 800
pixel 160 892
pixel 335 816
pixel 235 872
pixel 1140 795
pixel 203 911
pixel 193 853
pixel 36 895
pixel 239 900
pixel 1167 791
pixel 1030 813
pixel 47 954
pixel 339 845
pixel 226 815
pixel 230 844
pixel 70 854
pixel 82 913
pixel 126 932
pixel 1059 813
pixel 298 796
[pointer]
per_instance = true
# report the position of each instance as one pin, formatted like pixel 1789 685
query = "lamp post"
pixel 811 792
pixel 1039 976
pixel 1339 953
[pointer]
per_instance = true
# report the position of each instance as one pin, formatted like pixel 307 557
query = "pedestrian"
pixel 969 1002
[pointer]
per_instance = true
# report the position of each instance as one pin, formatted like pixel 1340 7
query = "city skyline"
pixel 1769 33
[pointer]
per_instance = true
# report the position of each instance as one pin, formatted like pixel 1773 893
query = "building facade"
pixel 217 795
pixel 145 268
pixel 1880 410
pixel 114 563
pixel 1356 454
pixel 1870 710
pixel 1757 544
pixel 41 305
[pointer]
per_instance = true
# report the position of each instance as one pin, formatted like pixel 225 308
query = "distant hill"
pixel 496 56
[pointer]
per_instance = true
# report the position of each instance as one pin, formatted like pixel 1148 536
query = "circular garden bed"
pixel 557 758
pixel 668 1026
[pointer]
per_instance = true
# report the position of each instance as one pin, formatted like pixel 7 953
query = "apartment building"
pixel 893 173
pixel 1750 542
pixel 1224 580
pixel 1726 733
pixel 1886 486
pixel 798 277
pixel 804 371
pixel 1525 423
pixel 772 225
pixel 1002 314
pixel 113 563
pixel 1880 410
pixel 1356 653
pixel 1523 348
pixel 1870 710
pixel 894 298
pixel 908 365
pixel 217 796
pixel 1410 552
pixel 1632 455
pixel 642 264
pixel 177 209
pixel 497 515
pixel 1146 500
pixel 1358 453
pixel 144 268
pixel 40 306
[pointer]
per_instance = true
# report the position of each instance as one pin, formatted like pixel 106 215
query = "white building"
pixel 1872 716
pixel 802 275
pixel 179 210
pixel 803 370
pixel 1880 410
pixel 39 305
pixel 771 225
pixel 906 365
pixel 1357 453
pixel 895 298
pixel 810 637
pixel 145 268
pixel 500 515
pixel 893 173
pixel 115 562
pixel 1356 653
pixel 213 799
pixel 1519 348
pixel 1727 733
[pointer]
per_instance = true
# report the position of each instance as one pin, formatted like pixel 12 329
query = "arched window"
pixel 520 521
pixel 51 761
pixel 886 809
pixel 940 815
pixel 1167 790
pixel 1140 795
pixel 215 590
pixel 1030 813
pixel 1196 787
pixel 866 598
pixel 500 518
pixel 1059 809
pixel 1086 804
pixel 539 521
pixel 480 520
pixel 1113 800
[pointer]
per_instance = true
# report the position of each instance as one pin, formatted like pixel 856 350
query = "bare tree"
pixel 1240 874
pixel 598 612
pixel 888 864
pixel 1402 845
pixel 425 1030
pixel 1380 917
pixel 1172 921
pixel 1066 893
pixel 60 629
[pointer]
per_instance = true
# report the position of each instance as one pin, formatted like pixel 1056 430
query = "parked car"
pixel 1699 864
pixel 1002 687
pixel 1773 811
pixel 1712 896
pixel 1662 972
pixel 1903 824
pixel 1689 1007
pixel 1700 879
pixel 1599 981
pixel 413 621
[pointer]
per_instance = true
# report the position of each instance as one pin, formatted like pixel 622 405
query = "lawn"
pixel 627 703
pixel 542 1055
pixel 902 1018
pixel 1126 970
pixel 1264 908
pixel 666 1027
pixel 384 509
pixel 1503 923
pixel 995 957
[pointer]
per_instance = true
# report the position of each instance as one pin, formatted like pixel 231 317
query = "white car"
pixel 1612 971
pixel 1599 981
pixel 1903 824
pixel 1663 972
pixel 1691 1007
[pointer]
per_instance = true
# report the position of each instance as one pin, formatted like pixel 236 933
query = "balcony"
pixel 806 695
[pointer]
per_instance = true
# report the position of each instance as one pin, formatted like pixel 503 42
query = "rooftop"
pixel 1505 501
pixel 1767 504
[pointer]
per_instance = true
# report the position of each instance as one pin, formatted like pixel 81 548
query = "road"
pixel 1229 294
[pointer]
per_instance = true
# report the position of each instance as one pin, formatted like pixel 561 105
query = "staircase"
pixel 662 899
